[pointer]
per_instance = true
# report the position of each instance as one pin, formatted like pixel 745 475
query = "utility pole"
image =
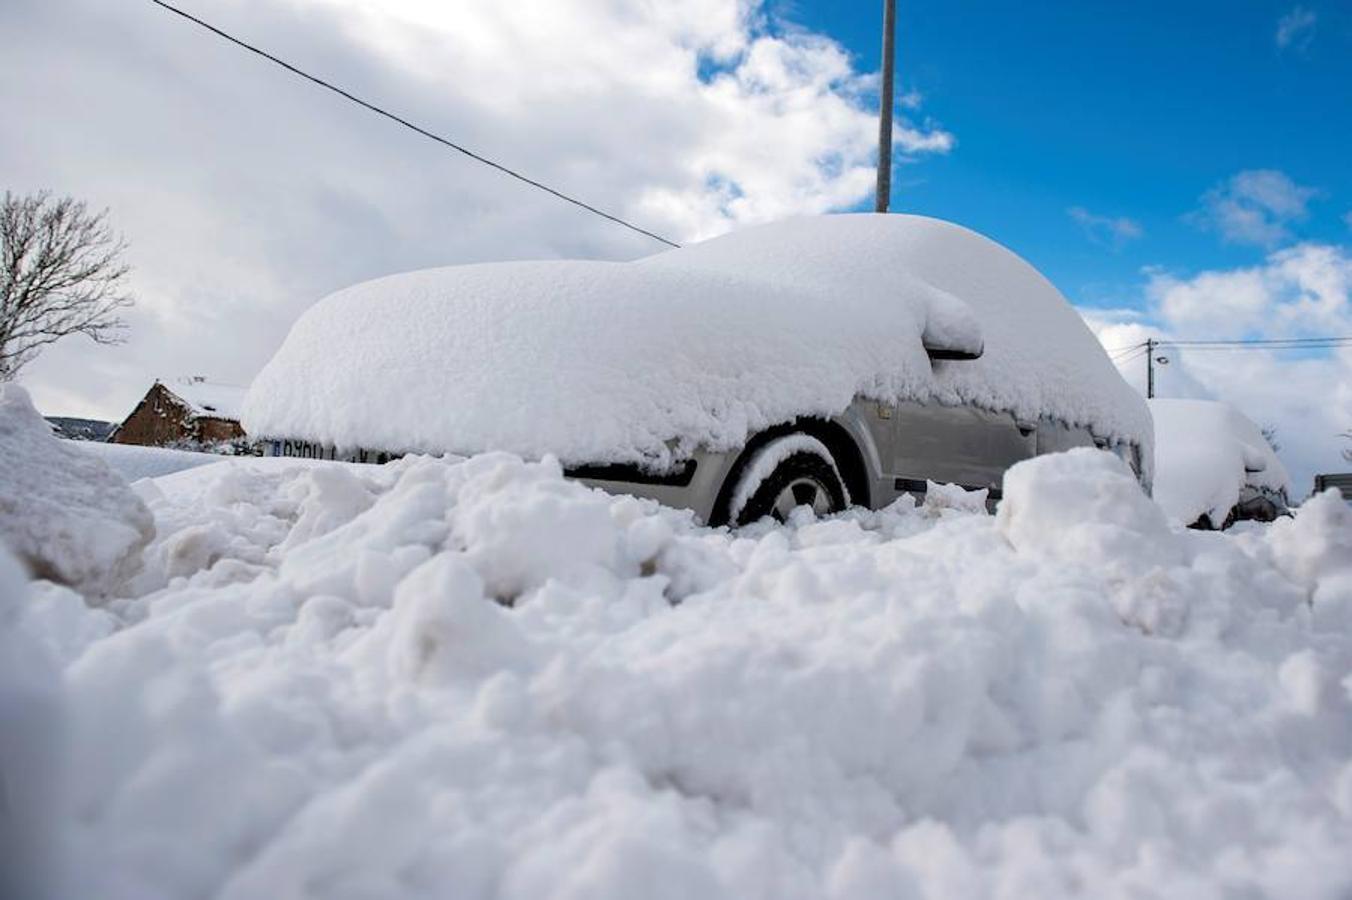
pixel 885 112
pixel 1149 368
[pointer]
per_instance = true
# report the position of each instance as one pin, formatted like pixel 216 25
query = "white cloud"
pixel 912 99
pixel 1298 291
pixel 1106 231
pixel 246 194
pixel 1254 207
pixel 1296 29
pixel 1301 291
pixel 927 139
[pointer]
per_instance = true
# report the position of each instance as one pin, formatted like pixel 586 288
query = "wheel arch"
pixel 838 439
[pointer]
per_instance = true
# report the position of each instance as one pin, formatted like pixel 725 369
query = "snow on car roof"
pixel 1205 452
pixel 705 345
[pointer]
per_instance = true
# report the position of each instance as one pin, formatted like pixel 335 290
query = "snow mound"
pixel 68 516
pixel 1205 453
pixel 134 462
pixel 1083 504
pixel 476 679
pixel 1315 550
pixel 601 362
pixel 29 718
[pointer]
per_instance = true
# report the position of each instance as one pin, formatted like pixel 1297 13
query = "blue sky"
pixel 1124 110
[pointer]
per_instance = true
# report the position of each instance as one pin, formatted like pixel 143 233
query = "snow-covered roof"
pixel 600 361
pixel 208 399
pixel 1205 452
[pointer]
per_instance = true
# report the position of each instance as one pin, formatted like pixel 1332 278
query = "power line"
pixel 409 125
pixel 1269 349
pixel 1129 357
pixel 1261 342
pixel 1312 343
pixel 1121 356
pixel 1118 352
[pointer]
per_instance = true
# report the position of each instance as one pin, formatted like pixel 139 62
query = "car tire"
pixel 1205 523
pixel 788 472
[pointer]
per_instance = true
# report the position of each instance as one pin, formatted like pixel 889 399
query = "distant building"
pixel 73 429
pixel 189 413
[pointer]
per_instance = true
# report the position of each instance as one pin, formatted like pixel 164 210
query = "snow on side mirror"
pixel 952 330
pixel 1253 459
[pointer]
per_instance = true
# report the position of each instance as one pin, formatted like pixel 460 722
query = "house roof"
pixel 207 399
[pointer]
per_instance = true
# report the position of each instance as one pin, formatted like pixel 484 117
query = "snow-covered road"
pixel 476 679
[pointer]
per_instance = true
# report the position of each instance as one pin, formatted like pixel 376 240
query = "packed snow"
pixel 133 461
pixel 601 362
pixel 29 716
pixel 1205 453
pixel 474 678
pixel 65 514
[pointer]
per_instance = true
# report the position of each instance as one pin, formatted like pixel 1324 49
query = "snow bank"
pixel 1205 453
pixel 599 362
pixel 1118 524
pixel 29 719
pixel 134 462
pixel 63 511
pixel 477 679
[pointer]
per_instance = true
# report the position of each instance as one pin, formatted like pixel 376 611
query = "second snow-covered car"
pixel 1214 466
pixel 820 361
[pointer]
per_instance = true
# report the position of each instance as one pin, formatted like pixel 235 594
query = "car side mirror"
pixel 952 330
pixel 949 351
pixel 1253 460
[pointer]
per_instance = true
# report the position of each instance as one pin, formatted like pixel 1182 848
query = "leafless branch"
pixel 61 273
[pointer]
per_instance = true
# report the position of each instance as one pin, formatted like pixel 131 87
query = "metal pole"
pixel 1149 368
pixel 884 193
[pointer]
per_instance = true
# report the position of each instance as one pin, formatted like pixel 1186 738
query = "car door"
pixel 956 444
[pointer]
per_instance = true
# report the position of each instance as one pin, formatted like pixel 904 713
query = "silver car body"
pixel 900 448
pixel 892 449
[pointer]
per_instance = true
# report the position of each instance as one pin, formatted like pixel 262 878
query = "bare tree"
pixel 61 273
pixel 1347 453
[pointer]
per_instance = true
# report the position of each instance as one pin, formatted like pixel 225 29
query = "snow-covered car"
pixel 1213 465
pixel 819 361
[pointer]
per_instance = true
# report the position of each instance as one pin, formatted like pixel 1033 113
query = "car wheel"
pixel 788 472
pixel 1203 523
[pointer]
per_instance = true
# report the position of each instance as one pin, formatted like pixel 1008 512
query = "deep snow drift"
pixel 62 511
pixel 134 462
pixel 705 345
pixel 476 679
